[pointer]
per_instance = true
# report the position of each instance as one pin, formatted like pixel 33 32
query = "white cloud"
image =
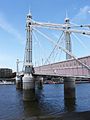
pixel 5 25
pixel 8 59
pixel 89 11
pixel 82 15
pixel 85 9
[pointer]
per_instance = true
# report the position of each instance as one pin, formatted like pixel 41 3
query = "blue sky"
pixel 13 19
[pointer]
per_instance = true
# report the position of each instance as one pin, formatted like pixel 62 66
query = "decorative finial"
pixel 66 18
pixel 29 15
pixel 30 12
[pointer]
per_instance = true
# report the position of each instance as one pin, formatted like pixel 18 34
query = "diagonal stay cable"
pixel 66 51
pixel 52 52
pixel 54 48
pixel 39 43
pixel 80 41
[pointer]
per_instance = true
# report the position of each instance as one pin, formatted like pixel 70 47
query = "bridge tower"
pixel 69 82
pixel 28 80
pixel 67 38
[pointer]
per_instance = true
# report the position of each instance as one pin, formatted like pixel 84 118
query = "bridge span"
pixel 69 69
pixel 65 68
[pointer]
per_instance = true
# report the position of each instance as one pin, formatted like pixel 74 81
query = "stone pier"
pixel 69 87
pixel 28 88
pixel 40 82
pixel 18 82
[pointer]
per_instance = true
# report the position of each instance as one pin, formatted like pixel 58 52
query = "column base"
pixel 18 82
pixel 69 88
pixel 29 95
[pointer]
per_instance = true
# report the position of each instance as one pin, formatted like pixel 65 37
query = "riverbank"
pixel 65 116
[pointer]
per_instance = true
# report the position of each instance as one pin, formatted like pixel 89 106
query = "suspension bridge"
pixel 69 69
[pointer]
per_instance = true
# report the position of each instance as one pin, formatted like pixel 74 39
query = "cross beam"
pixel 62 27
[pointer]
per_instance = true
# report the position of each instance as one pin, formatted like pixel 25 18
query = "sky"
pixel 13 21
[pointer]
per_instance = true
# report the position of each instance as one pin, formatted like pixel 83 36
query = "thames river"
pixel 50 102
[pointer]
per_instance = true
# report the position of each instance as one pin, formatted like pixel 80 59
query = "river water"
pixel 50 102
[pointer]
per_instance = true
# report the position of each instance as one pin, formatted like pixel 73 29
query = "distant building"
pixel 68 67
pixel 5 73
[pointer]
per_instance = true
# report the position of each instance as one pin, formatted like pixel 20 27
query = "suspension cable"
pixel 38 41
pixel 54 48
pixel 79 40
pixel 66 51
pixel 36 38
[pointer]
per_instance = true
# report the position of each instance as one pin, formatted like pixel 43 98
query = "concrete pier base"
pixel 28 88
pixel 18 82
pixel 29 95
pixel 70 104
pixel 69 88
pixel 40 82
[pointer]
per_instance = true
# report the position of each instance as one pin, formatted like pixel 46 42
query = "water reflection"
pixel 44 105
pixel 31 109
pixel 50 102
pixel 29 95
pixel 70 104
